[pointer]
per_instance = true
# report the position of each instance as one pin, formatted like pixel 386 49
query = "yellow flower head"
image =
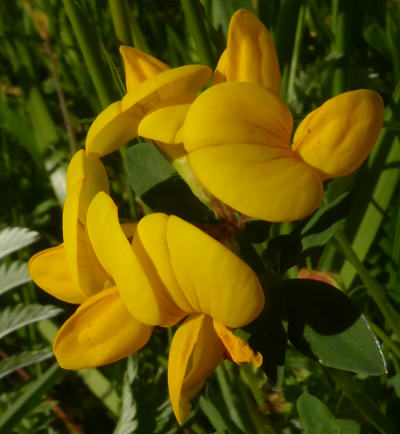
pixel 172 270
pixel 237 136
pixel 151 85
pixel 94 335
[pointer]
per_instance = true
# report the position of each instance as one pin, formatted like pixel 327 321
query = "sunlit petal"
pixel 259 181
pixel 195 352
pixel 139 66
pixel 143 297
pixel 183 80
pixel 85 178
pixel 164 123
pixel 213 279
pixel 337 137
pixel 250 55
pixel 101 331
pixel 49 270
pixel 152 235
pixel 237 113
pixel 238 350
pixel 112 129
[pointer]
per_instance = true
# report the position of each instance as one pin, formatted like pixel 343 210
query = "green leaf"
pixel 13 239
pixel 31 397
pixel 147 167
pixel 348 426
pixel 23 359
pixel 13 275
pixel 324 222
pixel 127 422
pixel 152 177
pixel 13 318
pixel 325 325
pixel 315 416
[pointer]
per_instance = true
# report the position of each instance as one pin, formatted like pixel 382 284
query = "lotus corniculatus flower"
pixel 237 136
pixel 151 85
pixel 101 330
pixel 250 56
pixel 171 271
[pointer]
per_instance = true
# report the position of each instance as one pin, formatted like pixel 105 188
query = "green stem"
pixel 91 52
pixel 374 289
pixel 291 93
pixel 351 389
pixel 193 14
pixel 340 44
pixel 120 16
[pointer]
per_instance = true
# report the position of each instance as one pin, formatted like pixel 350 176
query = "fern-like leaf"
pixel 13 318
pixel 23 359
pixel 13 239
pixel 127 423
pixel 13 275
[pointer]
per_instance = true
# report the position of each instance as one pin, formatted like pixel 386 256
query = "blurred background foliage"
pixel 49 95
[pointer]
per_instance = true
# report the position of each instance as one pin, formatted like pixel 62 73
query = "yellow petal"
pixel 195 352
pixel 237 113
pixel 85 178
pixel 139 66
pixel 49 270
pixel 112 129
pixel 214 280
pixel 259 181
pixel 101 331
pixel 151 237
pixel 129 229
pixel 117 257
pixel 183 80
pixel 164 123
pixel 337 137
pixel 250 55
pixel 238 350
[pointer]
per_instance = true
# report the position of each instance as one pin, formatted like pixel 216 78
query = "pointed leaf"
pixel 23 359
pixel 13 318
pixel 13 239
pixel 13 275
pixel 324 324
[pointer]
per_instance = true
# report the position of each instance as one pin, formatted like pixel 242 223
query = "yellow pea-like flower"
pixel 151 84
pixel 173 270
pixel 237 136
pixel 94 335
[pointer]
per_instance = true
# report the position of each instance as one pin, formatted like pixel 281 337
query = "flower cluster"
pixel 129 278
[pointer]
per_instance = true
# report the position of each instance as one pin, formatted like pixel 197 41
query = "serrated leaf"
pixel 324 324
pixel 13 275
pixel 127 422
pixel 23 359
pixel 13 318
pixel 13 239
pixel 315 416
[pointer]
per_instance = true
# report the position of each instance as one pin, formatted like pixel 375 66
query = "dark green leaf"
pixel 348 426
pixel 324 223
pixel 324 324
pixel 315 416
pixel 153 178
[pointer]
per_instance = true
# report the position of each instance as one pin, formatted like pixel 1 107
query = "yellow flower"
pixel 250 56
pixel 237 136
pixel 102 330
pixel 151 85
pixel 173 270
